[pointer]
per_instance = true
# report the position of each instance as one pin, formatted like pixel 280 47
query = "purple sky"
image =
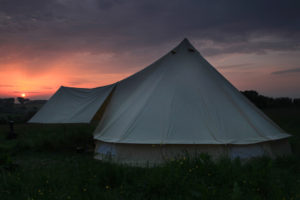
pixel 48 43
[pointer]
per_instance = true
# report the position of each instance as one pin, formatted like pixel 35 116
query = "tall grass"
pixel 53 138
pixel 70 176
pixel 55 162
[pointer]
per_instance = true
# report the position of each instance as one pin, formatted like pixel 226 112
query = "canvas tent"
pixel 179 104
pixel 72 105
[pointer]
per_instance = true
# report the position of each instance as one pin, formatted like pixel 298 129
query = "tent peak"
pixel 184 45
pixel 185 41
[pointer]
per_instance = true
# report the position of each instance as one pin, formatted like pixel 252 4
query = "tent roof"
pixel 182 99
pixel 72 105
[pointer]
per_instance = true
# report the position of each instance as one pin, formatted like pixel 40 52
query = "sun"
pixel 23 95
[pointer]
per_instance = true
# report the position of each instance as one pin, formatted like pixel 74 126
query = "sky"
pixel 90 43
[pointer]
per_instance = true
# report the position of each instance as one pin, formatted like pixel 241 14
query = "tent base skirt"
pixel 147 154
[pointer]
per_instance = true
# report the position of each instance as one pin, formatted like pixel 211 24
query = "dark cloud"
pixel 242 65
pixel 35 29
pixel 294 70
pixel 107 4
pixel 252 46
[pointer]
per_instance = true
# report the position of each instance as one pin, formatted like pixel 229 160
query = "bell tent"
pixel 179 104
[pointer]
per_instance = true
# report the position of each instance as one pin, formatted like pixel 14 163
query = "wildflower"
pixel 190 170
pixel 107 187
pixel 84 189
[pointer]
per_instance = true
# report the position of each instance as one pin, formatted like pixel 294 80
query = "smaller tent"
pixel 72 105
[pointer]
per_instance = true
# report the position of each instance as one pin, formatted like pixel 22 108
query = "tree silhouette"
pixel 22 100
pixel 262 101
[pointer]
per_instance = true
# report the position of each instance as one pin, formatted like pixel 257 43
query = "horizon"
pixel 37 99
pixel 44 45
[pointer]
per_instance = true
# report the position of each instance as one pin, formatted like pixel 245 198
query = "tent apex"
pixel 185 40
pixel 184 45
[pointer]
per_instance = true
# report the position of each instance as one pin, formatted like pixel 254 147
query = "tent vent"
pixel 191 50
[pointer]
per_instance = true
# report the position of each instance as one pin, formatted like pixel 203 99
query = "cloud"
pixel 6 85
pixel 47 88
pixel 294 70
pixel 113 36
pixel 34 28
pixel 242 65
pixel 31 92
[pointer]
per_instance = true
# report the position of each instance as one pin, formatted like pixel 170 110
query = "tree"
pixel 22 100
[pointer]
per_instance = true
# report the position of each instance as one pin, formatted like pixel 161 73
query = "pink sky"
pixel 244 71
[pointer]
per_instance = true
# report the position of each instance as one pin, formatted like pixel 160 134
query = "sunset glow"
pixel 43 84
pixel 90 44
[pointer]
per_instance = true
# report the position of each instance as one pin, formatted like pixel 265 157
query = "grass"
pixel 289 120
pixel 45 162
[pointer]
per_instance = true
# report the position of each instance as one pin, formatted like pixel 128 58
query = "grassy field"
pixel 56 162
